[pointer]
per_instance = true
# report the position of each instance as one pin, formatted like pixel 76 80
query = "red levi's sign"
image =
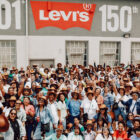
pixel 62 15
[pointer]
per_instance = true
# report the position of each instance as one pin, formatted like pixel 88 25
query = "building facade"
pixel 69 31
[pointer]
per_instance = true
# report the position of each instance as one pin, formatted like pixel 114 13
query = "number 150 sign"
pixel 8 7
pixel 113 21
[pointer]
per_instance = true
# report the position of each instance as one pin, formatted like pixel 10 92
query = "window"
pixel 77 52
pixel 8 53
pixel 39 62
pixel 135 53
pixel 110 53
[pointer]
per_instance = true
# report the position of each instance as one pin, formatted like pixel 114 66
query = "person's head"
pixel 105 131
pixel 130 116
pixel 61 97
pixel 26 101
pixel 106 89
pixel 136 123
pixel 138 132
pixel 26 91
pixel 76 121
pixel 89 125
pixel 120 117
pixel 75 95
pixel 100 122
pixel 52 96
pixel 122 90
pixel 12 101
pixel 135 95
pixel 121 126
pixel 103 109
pixel 59 130
pixel 90 95
pixel 77 130
pixel 10 91
pixel 17 105
pixel 97 91
pixel 12 114
pixel 42 101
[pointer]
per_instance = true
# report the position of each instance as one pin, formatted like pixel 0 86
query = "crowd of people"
pixel 97 102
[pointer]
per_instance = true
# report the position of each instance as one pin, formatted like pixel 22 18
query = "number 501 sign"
pixel 112 21
pixel 4 4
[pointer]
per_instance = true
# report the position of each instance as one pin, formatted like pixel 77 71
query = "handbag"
pixel 45 127
pixel 115 106
pixel 85 115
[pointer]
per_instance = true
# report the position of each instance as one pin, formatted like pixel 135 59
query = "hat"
pixel 42 97
pixel 64 89
pixel 38 87
pixel 88 87
pixel 128 85
pixel 4 67
pixel 54 85
pixel 60 77
pixel 52 89
pixel 89 122
pixel 134 91
pixel 51 93
pixel 35 65
pixel 60 127
pixel 4 124
pixel 12 98
pixel 101 81
pixel 125 79
pixel 32 71
pixel 75 92
pixel 136 81
pixel 44 82
pixel 90 92
pixel 103 106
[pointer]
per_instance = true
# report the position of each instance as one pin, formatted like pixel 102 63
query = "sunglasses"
pixel 102 109
pixel 13 114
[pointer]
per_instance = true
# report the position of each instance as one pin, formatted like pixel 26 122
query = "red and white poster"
pixel 62 15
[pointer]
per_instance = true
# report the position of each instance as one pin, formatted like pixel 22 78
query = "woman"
pixel 73 106
pixel 120 133
pixel 104 116
pixel 43 117
pixel 105 135
pixel 16 130
pixel 98 97
pixel 76 135
pixel 62 109
pixel 120 108
pixel 30 112
pixel 108 99
pixel 11 104
pixel 100 125
pixel 77 124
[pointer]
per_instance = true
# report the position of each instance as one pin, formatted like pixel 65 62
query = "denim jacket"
pixel 129 103
pixel 45 115
pixel 108 100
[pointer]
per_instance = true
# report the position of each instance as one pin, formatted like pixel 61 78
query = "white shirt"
pixel 100 137
pixel 90 107
pixel 89 136
pixel 133 107
pixel 62 107
pixel 72 136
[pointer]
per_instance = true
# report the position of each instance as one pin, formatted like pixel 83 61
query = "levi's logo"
pixel 62 15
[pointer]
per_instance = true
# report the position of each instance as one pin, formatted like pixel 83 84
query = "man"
pixel 134 103
pixel 89 134
pixel 21 114
pixel 89 106
pixel 58 135
pixel 136 136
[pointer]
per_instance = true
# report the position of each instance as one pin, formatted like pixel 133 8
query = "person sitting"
pixel 58 134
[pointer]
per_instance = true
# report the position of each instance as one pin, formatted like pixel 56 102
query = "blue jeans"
pixel 29 129
pixel 119 111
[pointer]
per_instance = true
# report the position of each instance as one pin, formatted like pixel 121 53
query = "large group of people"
pixel 98 102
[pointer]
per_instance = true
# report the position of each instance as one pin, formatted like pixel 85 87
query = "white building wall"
pixel 53 47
